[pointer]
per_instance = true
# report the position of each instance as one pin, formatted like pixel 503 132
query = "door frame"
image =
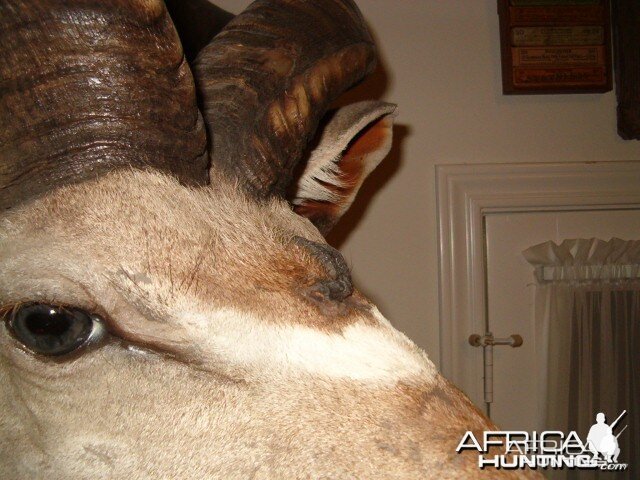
pixel 465 195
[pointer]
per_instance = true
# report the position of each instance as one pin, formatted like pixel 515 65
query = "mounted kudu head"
pixel 169 309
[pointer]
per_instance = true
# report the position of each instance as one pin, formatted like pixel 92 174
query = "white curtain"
pixel 587 314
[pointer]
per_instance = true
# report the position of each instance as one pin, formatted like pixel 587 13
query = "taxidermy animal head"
pixel 169 306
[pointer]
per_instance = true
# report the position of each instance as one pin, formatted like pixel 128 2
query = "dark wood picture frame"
pixel 552 47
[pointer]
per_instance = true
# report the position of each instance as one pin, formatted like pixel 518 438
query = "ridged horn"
pixel 88 86
pixel 267 78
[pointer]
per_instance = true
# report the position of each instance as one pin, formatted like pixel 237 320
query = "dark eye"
pixel 52 330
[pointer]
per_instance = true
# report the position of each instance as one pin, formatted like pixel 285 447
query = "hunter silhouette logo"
pixel 549 449
pixel 601 439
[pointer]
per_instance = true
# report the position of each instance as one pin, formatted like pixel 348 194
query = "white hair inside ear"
pixel 353 142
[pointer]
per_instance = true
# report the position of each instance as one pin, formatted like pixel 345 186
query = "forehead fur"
pixel 145 234
pixel 126 206
pixel 145 222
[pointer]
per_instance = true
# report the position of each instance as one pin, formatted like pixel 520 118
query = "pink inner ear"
pixel 370 140
pixel 354 167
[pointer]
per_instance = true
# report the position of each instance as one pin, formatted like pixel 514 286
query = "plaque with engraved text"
pixel 555 46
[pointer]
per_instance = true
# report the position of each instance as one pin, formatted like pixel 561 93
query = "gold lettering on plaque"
pixel 541 36
pixel 537 56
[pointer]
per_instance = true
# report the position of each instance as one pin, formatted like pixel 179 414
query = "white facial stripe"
pixel 360 352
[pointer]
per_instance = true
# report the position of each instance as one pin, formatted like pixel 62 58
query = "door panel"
pixel 510 296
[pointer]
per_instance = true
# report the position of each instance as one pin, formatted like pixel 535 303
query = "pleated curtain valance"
pixel 585 260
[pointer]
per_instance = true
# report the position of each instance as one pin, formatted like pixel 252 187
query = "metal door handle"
pixel 487 341
pixel 476 340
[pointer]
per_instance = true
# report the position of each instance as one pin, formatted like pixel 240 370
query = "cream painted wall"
pixel 441 64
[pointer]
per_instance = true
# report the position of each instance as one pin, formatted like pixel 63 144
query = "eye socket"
pixel 53 330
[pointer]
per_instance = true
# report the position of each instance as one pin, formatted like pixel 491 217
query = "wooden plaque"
pixel 555 46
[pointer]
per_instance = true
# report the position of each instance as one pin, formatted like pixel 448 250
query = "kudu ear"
pixel 353 142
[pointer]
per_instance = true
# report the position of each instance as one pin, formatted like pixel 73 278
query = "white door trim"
pixel 465 194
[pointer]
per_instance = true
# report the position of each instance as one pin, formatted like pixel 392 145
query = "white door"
pixel 510 295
